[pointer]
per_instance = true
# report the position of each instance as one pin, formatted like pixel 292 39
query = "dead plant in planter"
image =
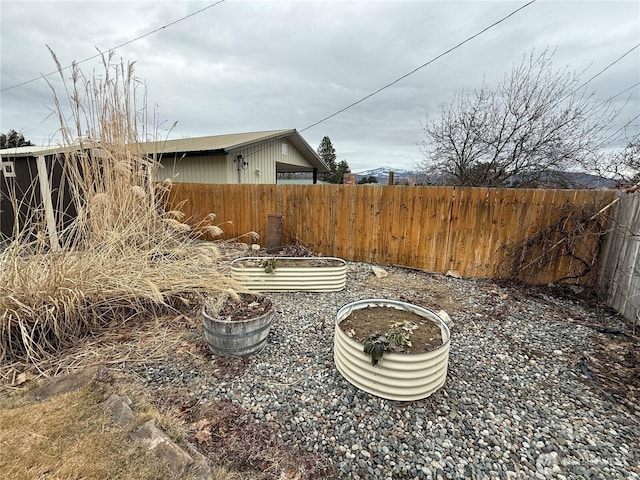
pixel 395 339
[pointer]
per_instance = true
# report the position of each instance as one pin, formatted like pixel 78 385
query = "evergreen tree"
pixel 336 170
pixel 328 155
pixel 13 139
pixel 340 170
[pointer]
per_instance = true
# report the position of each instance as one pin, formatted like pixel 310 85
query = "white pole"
pixel 45 192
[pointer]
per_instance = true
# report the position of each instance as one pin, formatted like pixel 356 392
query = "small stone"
pixel 447 319
pixel 379 272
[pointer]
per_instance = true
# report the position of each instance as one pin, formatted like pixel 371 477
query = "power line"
pixel 117 46
pixel 611 137
pixel 418 68
pixel 623 91
pixel 604 70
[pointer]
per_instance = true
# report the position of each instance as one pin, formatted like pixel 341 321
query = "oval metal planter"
pixel 399 376
pixel 291 274
pixel 238 338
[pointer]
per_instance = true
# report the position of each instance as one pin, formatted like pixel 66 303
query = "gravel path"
pixel 515 403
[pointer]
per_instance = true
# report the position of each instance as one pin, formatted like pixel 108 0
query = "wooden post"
pixel 45 192
pixel 274 230
pixel 390 178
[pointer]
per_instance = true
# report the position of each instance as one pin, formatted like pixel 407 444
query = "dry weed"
pixel 123 255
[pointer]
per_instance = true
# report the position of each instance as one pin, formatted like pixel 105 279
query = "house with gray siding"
pixel 253 158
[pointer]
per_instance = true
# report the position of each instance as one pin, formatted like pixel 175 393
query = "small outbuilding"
pixel 29 175
pixel 250 158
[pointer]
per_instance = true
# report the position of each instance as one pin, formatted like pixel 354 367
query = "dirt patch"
pixel 406 332
pixel 229 435
pixel 426 291
pixel 615 364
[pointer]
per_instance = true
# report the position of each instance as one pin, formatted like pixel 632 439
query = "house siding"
pixel 263 158
pixel 196 169
pixel 264 161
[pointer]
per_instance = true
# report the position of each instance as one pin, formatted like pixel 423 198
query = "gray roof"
pixel 215 144
pixel 30 151
pixel 235 141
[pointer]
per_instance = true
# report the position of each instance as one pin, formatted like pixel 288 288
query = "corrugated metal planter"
pixel 399 376
pixel 290 274
pixel 238 338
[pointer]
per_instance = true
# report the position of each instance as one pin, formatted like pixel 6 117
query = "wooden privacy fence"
pixel 620 272
pixel 471 230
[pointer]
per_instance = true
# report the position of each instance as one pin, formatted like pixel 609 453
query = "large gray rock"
pixel 120 408
pixel 70 383
pixel 178 461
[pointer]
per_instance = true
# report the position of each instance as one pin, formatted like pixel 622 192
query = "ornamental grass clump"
pixel 110 251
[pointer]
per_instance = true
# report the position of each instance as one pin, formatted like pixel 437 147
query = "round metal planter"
pixel 238 338
pixel 399 376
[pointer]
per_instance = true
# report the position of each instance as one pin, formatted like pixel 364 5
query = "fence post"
pixel 274 230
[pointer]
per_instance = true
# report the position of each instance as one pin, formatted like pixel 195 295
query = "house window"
pixel 285 148
pixel 8 169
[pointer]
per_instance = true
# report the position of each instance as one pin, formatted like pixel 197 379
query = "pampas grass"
pixel 123 255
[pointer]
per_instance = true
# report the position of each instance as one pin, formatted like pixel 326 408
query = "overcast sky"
pixel 243 66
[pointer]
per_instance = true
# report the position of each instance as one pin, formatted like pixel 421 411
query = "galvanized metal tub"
pixel 399 376
pixel 237 338
pixel 290 274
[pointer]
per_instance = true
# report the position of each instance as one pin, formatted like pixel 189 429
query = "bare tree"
pixel 622 164
pixel 533 124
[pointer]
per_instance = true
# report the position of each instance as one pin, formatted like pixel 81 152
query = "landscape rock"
pixel 379 272
pixel 70 382
pixel 453 274
pixel 447 319
pixel 180 463
pixel 120 408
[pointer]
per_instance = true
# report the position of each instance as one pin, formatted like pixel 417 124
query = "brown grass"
pixel 123 255
pixel 70 436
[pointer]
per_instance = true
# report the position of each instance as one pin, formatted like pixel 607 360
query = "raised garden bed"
pixel 290 274
pixel 404 372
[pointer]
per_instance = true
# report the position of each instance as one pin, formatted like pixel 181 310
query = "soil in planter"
pixel 362 323
pixel 248 306
pixel 276 262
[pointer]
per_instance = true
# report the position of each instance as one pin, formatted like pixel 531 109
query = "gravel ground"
pixel 516 404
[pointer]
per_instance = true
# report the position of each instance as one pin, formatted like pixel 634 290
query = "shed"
pixel 253 158
pixel 29 175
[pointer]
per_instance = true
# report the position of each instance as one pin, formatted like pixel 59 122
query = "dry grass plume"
pixel 116 252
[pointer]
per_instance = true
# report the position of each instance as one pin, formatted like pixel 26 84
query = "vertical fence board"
pixel 367 224
pixel 402 226
pixel 414 233
pixel 620 260
pixel 480 215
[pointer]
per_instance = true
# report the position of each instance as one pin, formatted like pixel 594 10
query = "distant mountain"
pixel 382 174
pixel 580 180
pixel 383 171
